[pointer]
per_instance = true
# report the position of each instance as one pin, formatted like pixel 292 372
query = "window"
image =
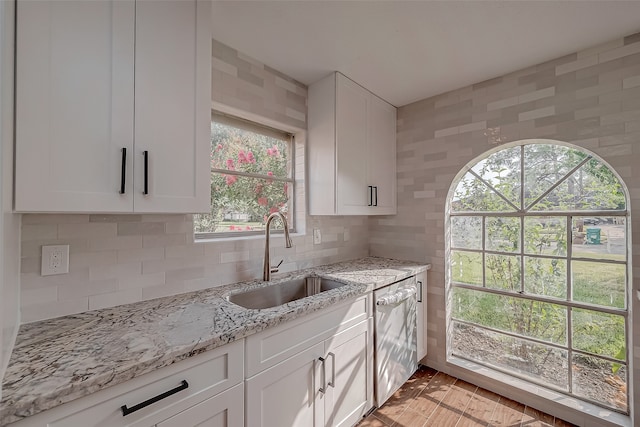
pixel 538 271
pixel 251 177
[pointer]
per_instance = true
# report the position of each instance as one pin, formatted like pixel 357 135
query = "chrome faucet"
pixel 266 268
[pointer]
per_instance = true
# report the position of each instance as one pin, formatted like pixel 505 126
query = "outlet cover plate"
pixel 317 236
pixel 55 260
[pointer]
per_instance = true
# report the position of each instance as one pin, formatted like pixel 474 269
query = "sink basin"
pixel 284 292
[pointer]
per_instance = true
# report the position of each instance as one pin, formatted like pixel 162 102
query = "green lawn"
pixel 593 282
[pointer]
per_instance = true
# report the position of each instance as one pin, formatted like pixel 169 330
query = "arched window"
pixel 538 271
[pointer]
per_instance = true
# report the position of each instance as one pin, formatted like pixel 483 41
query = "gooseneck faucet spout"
pixel 266 268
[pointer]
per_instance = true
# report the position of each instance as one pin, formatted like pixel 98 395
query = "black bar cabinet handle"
pixel 126 411
pixel 146 172
pixel 123 171
pixel 376 187
pixel 420 293
pixel 370 195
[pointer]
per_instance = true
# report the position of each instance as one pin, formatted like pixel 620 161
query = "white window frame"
pixel 252 126
pixel 523 213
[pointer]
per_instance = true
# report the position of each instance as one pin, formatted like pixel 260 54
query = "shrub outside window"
pixel 538 271
pixel 251 177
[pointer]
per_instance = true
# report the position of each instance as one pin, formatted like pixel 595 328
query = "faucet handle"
pixel 274 269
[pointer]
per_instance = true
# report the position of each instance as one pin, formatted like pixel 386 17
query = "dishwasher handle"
pixel 397 297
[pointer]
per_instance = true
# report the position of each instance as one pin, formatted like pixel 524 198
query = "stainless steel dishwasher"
pixel 395 336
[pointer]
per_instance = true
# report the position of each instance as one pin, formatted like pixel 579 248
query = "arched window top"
pixel 538 178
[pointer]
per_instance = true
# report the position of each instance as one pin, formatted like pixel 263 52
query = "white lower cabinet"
pixel 223 410
pixel 350 362
pixel 287 394
pixel 214 395
pixel 313 371
pixel 329 383
pixel 421 315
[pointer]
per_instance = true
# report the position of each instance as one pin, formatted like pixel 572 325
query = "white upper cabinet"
pixel 352 150
pixel 173 105
pixel 99 83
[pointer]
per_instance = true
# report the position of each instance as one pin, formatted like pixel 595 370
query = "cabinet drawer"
pixel 274 345
pixel 207 374
pixel 222 410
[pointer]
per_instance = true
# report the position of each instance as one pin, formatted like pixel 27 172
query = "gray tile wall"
pixel 118 259
pixel 242 83
pixel 590 99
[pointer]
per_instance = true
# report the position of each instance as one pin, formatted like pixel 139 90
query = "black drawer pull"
pixel 370 195
pixel 126 411
pixel 420 291
pixel 123 172
pixel 376 203
pixel 146 172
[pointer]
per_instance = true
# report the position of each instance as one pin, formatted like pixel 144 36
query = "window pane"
pixel 546 322
pixel 472 195
pixel 242 204
pixel 502 234
pixel 592 187
pixel 245 151
pixel 544 165
pixel 599 283
pixel 545 235
pixel 544 276
pixel 502 272
pixel 466 232
pixel 538 362
pixel 501 170
pixel 599 237
pixel 466 267
pixel 600 380
pixel 598 333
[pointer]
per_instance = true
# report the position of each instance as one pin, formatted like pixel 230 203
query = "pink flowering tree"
pixel 249 199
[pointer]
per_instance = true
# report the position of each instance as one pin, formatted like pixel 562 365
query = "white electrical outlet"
pixel 55 260
pixel 317 237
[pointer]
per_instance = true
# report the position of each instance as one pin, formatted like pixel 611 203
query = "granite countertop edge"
pixel 59 360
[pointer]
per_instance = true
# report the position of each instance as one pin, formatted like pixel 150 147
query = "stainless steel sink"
pixel 284 292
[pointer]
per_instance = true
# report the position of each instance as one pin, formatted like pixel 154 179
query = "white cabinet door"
pixel 224 410
pixel 351 150
pixel 351 145
pixel 421 315
pixel 382 155
pixel 94 77
pixel 349 375
pixel 172 106
pixel 74 105
pixel 287 394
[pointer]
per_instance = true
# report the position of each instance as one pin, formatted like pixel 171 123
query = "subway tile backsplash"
pixel 109 267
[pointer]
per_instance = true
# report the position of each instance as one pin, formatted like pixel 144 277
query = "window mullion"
pixel 521 207
pixel 484 249
pixel 251 175
pixel 522 254
pixel 569 326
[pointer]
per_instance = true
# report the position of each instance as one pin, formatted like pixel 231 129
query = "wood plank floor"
pixel 432 398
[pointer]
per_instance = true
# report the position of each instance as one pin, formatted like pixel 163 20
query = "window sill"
pixel 565 407
pixel 272 236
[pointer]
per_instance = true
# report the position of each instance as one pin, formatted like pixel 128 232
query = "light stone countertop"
pixel 58 360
